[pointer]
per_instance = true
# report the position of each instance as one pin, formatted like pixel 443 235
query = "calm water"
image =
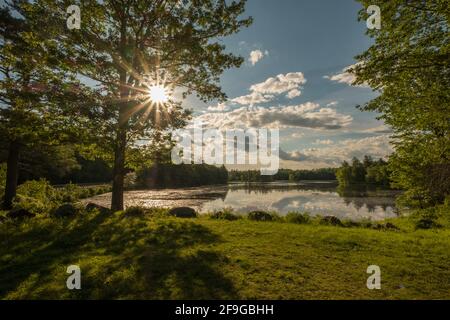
pixel 318 198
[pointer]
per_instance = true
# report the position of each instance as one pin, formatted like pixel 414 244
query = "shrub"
pixel 297 217
pixel 331 220
pixel 260 216
pixel 70 193
pixel 183 212
pixel 224 214
pixel 65 210
pixel 37 197
pixel 426 218
pixel 134 211
pixel 93 206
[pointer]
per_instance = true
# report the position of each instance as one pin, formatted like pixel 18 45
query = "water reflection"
pixel 315 197
pixel 323 198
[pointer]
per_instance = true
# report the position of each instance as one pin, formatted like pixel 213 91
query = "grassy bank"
pixel 159 257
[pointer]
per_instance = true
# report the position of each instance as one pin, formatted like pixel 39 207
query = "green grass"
pixel 158 257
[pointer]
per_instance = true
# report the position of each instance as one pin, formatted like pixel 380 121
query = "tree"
pixel 132 47
pixel 409 65
pixel 37 91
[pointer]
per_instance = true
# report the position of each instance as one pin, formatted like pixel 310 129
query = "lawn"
pixel 148 257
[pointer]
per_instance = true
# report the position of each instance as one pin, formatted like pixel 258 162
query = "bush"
pixel 426 218
pixel 261 216
pixel 183 212
pixel 225 214
pixel 297 217
pixel 65 210
pixel 134 211
pixel 37 197
pixel 93 206
pixel 70 193
pixel 331 220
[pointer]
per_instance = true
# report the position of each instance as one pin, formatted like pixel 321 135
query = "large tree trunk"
pixel 122 127
pixel 12 174
pixel 119 171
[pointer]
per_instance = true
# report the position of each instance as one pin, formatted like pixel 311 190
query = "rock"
pixel 183 212
pixel 65 210
pixel 387 226
pixel 260 216
pixel 93 206
pixel 331 220
pixel 391 226
pixel 20 214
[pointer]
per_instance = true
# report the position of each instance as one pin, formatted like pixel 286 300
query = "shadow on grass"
pixel 35 251
pixel 119 258
pixel 171 272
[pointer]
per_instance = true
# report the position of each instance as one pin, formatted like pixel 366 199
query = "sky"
pixel 294 79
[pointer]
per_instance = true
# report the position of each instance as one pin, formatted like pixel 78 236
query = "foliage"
pixel 183 175
pixel 65 210
pixel 366 172
pixel 433 217
pixel 283 174
pixel 225 214
pixel 408 64
pixel 40 197
pixel 297 217
pixel 262 216
pixel 37 196
pixel 134 211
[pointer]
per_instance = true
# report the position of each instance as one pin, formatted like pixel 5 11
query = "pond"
pixel 315 197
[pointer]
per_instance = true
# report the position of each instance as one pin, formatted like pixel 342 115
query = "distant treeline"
pixel 183 175
pixel 367 171
pixel 283 174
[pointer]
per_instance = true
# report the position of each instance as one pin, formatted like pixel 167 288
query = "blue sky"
pixel 309 43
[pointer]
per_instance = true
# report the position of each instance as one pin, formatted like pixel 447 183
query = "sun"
pixel 158 94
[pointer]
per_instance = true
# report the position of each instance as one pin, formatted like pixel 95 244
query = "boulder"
pixel 93 206
pixel 183 212
pixel 65 210
pixel 391 226
pixel 20 214
pixel 260 216
pixel 387 226
pixel 331 220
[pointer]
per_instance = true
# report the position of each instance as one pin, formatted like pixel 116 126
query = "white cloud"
pixel 307 115
pixel 293 93
pixel 263 92
pixel 325 142
pixel 345 76
pixel 332 103
pixel 380 129
pixel 297 135
pixel 257 55
pixel 280 84
pixel 221 107
pixel 254 97
pixel 333 155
